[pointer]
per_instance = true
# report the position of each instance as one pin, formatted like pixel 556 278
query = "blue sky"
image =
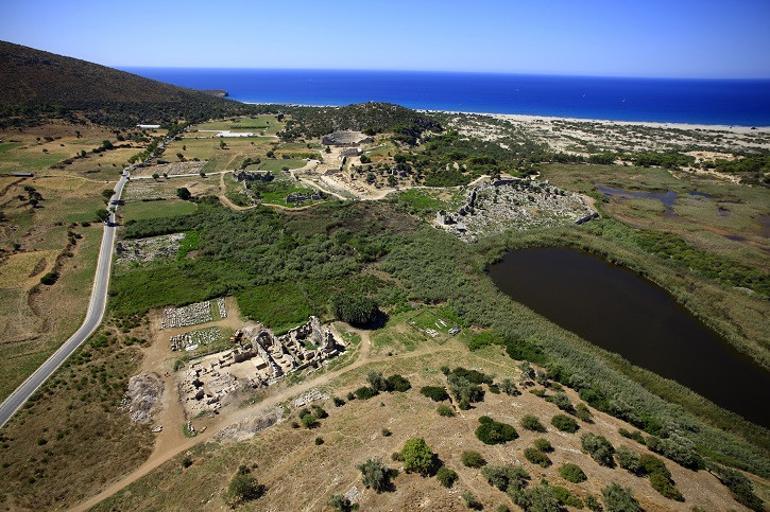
pixel 654 38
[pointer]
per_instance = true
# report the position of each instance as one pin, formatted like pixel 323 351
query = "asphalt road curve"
pixel 93 318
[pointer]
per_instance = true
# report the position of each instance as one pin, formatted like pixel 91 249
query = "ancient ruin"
pixel 496 205
pixel 196 313
pixel 345 138
pixel 191 341
pixel 258 359
pixel 142 250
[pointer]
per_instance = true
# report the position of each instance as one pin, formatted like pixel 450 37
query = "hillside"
pixel 35 83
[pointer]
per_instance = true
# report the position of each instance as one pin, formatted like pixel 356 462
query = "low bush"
pixel 635 435
pixel 678 449
pixel 619 499
pixel 565 423
pixel 629 460
pixel 582 412
pixel 447 477
pixel 398 383
pixel 740 487
pixel 376 475
pixel 471 501
pixel 599 448
pixel 508 387
pixel 445 410
pixel 532 423
pixel 340 503
pixel 494 432
pixel 435 393
pixel 543 445
pixel 473 459
pixel 506 477
pixel 572 473
pixel 562 401
pixel 50 278
pixel 244 487
pixel 535 456
pixel 365 393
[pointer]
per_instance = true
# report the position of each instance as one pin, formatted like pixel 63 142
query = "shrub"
pixel 582 412
pixel 447 477
pixel 562 401
pixel 531 422
pixel 565 423
pixel 635 435
pixel 493 432
pixel 665 486
pixel 49 278
pixel 619 499
pixel 508 387
pixel 629 460
pixel 473 459
pixel 418 457
pixel 187 461
pixel 445 410
pixel 565 497
pixel 740 487
pixel 319 412
pixel 593 504
pixel 338 402
pixel 341 504
pixel 365 393
pixel 535 456
pixel 473 376
pixel 377 382
pixel 506 477
pixel 183 193
pixel 375 475
pixel 398 383
pixel 541 498
pixel 309 421
pixel 679 450
pixel 464 391
pixel 599 449
pixel 244 487
pixel 572 473
pixel 386 433
pixel 435 393
pixel 319 441
pixel 543 445
pixel 471 501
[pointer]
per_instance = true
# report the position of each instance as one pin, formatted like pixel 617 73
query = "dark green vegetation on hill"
pixel 369 118
pixel 35 85
pixel 331 249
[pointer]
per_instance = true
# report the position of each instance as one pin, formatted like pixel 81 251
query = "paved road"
pixel 93 318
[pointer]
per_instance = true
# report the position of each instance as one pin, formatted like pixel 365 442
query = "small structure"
pixel 228 133
pixel 345 138
pixel 264 176
pixel 148 126
pixel 296 197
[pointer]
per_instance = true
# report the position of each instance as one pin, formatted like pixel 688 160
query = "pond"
pixel 620 311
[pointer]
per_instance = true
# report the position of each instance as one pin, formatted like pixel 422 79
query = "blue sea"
pixel 728 102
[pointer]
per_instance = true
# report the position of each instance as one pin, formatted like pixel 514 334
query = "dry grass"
pixel 301 475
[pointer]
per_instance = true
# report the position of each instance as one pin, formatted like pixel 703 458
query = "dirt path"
pixel 170 444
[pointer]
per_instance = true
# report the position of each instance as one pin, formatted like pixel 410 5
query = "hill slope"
pixel 34 83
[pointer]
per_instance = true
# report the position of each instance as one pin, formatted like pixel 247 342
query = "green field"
pixel 276 191
pixel 260 123
pixel 278 164
pixel 143 210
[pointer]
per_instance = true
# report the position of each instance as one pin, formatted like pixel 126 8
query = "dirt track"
pixel 170 443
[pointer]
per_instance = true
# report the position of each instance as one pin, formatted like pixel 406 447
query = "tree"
pixel 244 487
pixel 619 499
pixel 629 460
pixel 418 457
pixel 103 215
pixel 365 159
pixel 435 393
pixel 107 194
pixel 535 456
pixel 375 475
pixel 183 193
pixel 354 308
pixel 155 175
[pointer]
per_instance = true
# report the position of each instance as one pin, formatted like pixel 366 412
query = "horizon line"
pixel 447 72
